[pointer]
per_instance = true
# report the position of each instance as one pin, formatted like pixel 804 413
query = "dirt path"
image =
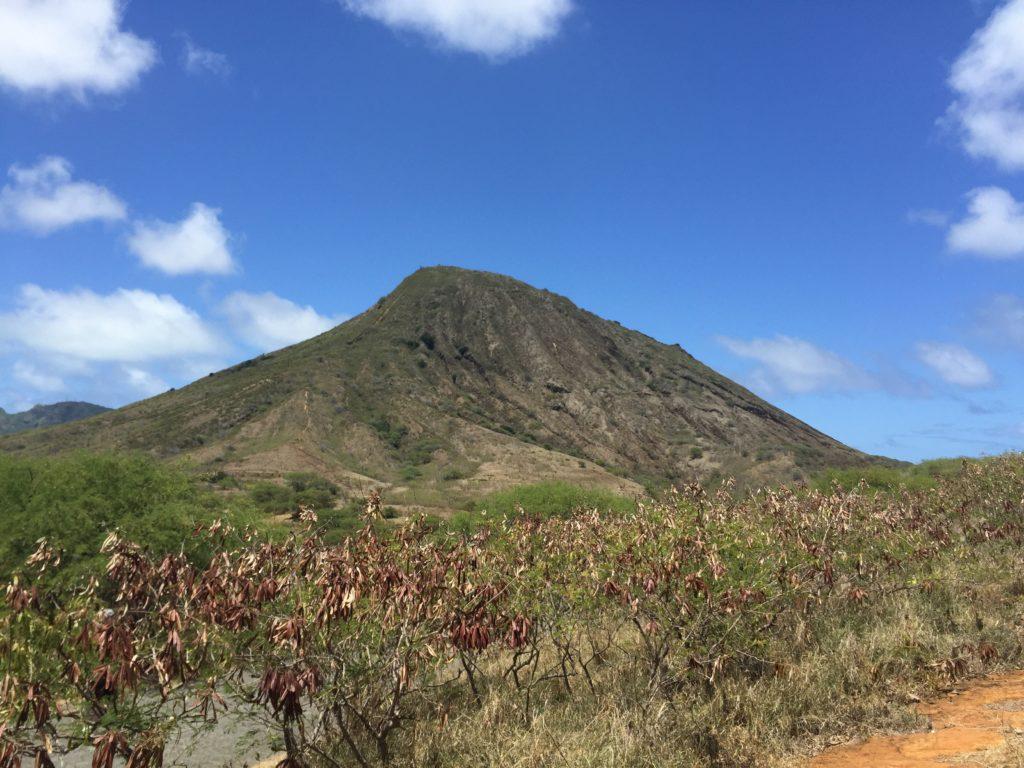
pixel 967 729
pixel 271 762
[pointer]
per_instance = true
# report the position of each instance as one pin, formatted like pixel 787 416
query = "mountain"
pixel 460 382
pixel 46 416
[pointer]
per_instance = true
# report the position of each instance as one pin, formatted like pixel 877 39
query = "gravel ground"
pixel 228 744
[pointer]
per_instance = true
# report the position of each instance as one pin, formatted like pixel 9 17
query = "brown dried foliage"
pixel 342 646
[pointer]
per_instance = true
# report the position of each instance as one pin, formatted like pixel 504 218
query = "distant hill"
pixel 46 416
pixel 461 382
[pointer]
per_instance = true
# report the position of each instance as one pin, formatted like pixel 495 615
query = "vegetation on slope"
pixel 75 501
pixel 551 499
pixel 300 489
pixel 890 478
pixel 461 379
pixel 704 630
pixel 543 500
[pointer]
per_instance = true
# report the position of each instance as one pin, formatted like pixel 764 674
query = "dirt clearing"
pixel 980 726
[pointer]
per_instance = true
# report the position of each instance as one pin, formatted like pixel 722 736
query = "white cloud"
pixel 267 321
pixel 123 326
pixel 76 46
pixel 993 228
pixel 955 364
pixel 145 382
pixel 492 28
pixel 989 82
pixel 797 366
pixel 197 243
pixel 43 198
pixel 190 369
pixel 196 60
pixel 28 374
pixel 928 216
pixel 1002 320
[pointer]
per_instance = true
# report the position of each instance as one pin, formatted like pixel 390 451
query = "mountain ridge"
pixel 40 416
pixel 462 380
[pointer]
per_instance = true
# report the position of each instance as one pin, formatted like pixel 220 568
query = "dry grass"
pixel 700 631
pixel 1010 754
pixel 848 681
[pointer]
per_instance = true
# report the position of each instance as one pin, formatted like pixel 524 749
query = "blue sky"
pixel 819 199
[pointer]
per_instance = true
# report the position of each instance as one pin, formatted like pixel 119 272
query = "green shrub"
pixel 76 501
pixel 421 452
pixel 304 481
pixel 221 479
pixel 305 489
pixel 890 479
pixel 340 522
pixel 317 498
pixel 271 498
pixel 552 499
pixel 465 523
pixel 228 482
pixel 312 490
pixel 393 434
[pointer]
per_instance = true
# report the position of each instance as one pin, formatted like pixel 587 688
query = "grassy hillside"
pixel 460 383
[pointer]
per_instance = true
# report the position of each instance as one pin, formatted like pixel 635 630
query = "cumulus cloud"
pixel 36 379
pixel 993 228
pixel 74 46
pixel 43 198
pixel 197 243
pixel 955 364
pixel 492 28
pixel 267 321
pixel 127 326
pixel 988 79
pixel 144 382
pixel 198 60
pixel 795 366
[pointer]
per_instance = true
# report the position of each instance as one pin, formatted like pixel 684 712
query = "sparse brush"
pixel 705 630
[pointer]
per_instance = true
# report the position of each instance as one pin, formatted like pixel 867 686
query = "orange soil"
pixel 962 726
pixel 271 762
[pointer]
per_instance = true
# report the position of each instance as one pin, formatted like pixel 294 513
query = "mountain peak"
pixel 460 381
pixel 46 416
pixel 443 277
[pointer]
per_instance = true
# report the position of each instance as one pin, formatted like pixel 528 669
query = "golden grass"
pixel 844 683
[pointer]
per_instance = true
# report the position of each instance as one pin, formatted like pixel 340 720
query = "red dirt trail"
pixel 963 726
